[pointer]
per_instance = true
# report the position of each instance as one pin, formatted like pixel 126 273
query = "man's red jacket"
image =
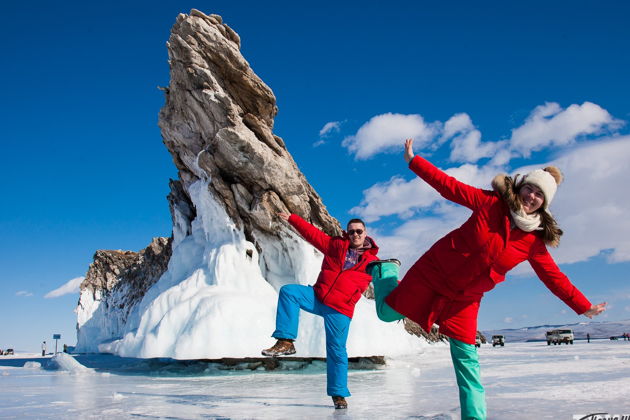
pixel 335 287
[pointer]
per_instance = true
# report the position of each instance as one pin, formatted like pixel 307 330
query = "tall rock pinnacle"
pixel 217 123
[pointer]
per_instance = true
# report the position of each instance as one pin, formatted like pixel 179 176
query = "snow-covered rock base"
pixel 213 301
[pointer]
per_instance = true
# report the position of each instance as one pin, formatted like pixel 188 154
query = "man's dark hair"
pixel 355 221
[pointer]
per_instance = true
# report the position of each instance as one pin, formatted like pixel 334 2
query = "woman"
pixel 508 225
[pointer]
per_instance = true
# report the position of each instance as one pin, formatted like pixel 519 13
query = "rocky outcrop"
pixel 217 123
pixel 115 283
pixel 137 270
pixel 432 336
pixel 230 251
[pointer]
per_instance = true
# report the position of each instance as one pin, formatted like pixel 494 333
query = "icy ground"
pixel 522 380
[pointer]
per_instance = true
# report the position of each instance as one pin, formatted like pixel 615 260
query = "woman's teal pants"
pixel 465 360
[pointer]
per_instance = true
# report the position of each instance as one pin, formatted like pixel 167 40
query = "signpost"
pixel 56 337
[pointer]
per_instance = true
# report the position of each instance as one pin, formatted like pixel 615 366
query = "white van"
pixel 559 337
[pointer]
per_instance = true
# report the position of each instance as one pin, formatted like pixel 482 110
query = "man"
pixel 43 349
pixel 338 288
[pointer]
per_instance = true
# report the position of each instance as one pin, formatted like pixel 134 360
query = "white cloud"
pixel 415 236
pixel 24 293
pixel 386 132
pixel 401 197
pixel 501 157
pixel 466 145
pixel 396 196
pixel 458 123
pixel 326 131
pixel 550 125
pixel 72 286
pixel 590 205
pixel 508 320
pixel 329 128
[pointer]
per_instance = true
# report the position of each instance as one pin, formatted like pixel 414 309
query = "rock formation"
pixel 217 123
pixel 230 251
pixel 118 279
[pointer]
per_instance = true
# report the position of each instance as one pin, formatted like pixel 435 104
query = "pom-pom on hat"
pixel 547 180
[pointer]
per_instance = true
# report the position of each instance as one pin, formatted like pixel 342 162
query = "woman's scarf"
pixel 526 222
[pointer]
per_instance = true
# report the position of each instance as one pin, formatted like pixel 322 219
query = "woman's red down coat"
pixel 473 258
pixel 335 287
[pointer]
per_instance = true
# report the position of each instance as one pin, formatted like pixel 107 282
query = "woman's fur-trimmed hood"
pixel 504 185
pixel 499 183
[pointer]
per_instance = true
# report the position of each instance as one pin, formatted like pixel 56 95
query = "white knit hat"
pixel 543 180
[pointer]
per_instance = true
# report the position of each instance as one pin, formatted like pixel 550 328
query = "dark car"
pixel 498 340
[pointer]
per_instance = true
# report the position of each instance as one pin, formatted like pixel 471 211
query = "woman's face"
pixel 532 198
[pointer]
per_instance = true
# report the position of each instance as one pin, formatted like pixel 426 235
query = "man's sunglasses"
pixel 353 231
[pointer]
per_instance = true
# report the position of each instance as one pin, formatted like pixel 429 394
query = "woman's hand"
pixel 408 150
pixel 284 216
pixel 595 310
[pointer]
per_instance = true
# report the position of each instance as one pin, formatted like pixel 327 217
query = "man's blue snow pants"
pixel 472 397
pixel 294 297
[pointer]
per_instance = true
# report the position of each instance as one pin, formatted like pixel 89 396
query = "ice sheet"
pixel 522 381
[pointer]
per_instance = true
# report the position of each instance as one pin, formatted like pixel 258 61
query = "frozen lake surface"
pixel 522 380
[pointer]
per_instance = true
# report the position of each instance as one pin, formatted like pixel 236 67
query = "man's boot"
pixel 283 347
pixel 340 402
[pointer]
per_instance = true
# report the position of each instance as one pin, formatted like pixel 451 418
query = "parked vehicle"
pixel 478 341
pixel 8 352
pixel 559 337
pixel 498 340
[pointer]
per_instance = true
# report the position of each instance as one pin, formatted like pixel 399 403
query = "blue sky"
pixel 84 167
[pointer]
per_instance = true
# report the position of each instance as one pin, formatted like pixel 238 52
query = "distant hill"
pixel 580 329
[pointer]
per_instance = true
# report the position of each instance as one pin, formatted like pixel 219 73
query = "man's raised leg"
pixel 291 299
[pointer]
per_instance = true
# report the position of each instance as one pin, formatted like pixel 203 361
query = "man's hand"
pixel 284 216
pixel 595 310
pixel 408 150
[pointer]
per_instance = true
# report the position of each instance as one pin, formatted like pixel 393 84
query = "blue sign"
pixel 56 336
